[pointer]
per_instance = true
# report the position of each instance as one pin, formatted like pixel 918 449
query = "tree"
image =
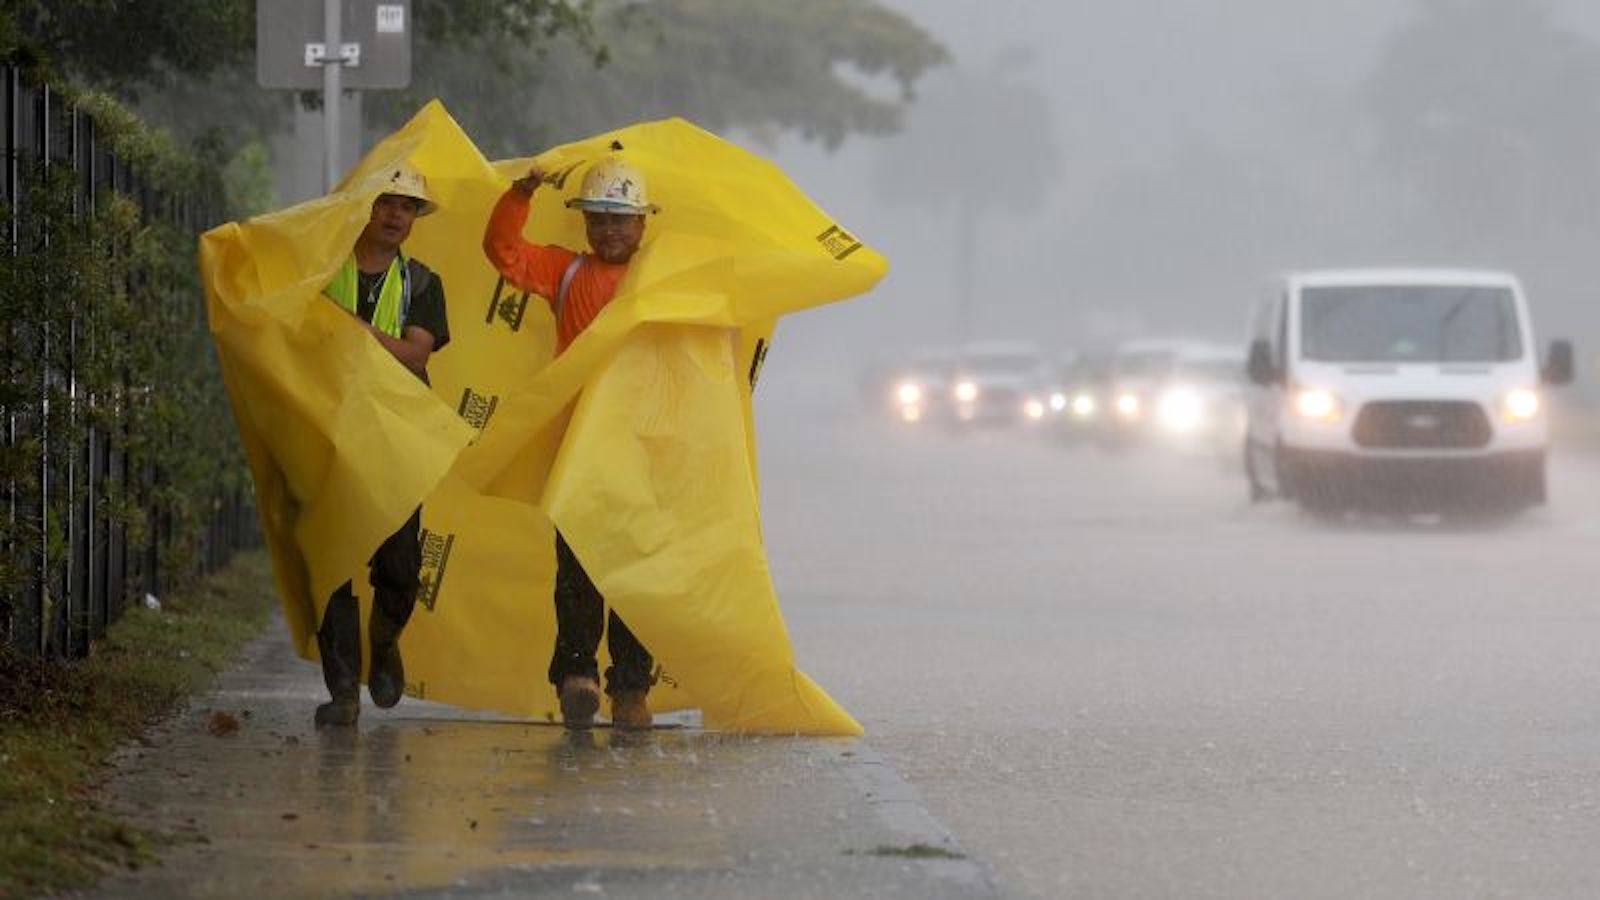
pixel 125 46
pixel 720 63
pixel 188 66
pixel 107 43
pixel 519 74
pixel 978 140
pixel 1490 113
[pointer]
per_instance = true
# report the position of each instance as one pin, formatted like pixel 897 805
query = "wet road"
pixel 1081 675
pixel 1112 676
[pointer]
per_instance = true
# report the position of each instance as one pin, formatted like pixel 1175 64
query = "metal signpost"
pixel 335 45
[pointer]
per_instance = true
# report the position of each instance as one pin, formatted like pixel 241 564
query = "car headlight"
pixel 1181 409
pixel 1521 404
pixel 1084 405
pixel 1318 405
pixel 908 392
pixel 966 391
pixel 1033 408
pixel 1058 401
pixel 1128 405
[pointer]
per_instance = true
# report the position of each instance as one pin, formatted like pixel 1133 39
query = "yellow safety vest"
pixel 389 316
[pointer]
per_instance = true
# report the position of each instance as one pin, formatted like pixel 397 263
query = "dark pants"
pixel 580 618
pixel 393 572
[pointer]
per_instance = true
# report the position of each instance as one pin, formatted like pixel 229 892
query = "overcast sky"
pixel 1204 145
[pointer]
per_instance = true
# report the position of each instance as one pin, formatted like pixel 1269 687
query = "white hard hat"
pixel 408 182
pixel 613 186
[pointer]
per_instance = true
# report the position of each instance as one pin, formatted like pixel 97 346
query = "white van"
pixel 1416 388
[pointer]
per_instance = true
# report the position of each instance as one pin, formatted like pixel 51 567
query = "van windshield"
pixel 1409 323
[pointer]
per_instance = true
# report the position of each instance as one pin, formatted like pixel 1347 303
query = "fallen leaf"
pixel 222 724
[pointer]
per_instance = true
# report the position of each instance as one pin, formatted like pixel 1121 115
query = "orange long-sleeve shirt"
pixel 537 268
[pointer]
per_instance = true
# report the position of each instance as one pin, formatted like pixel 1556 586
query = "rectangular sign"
pixel 391 18
pixel 285 27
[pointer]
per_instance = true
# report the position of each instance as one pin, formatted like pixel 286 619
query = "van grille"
pixel 1430 424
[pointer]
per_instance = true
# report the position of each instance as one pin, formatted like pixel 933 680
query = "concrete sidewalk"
pixel 428 800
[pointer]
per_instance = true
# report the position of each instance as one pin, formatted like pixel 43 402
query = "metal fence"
pixel 86 570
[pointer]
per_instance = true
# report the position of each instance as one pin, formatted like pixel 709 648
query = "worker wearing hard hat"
pixel 578 286
pixel 401 302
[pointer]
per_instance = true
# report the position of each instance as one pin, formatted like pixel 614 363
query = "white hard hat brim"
pixel 427 208
pixel 611 206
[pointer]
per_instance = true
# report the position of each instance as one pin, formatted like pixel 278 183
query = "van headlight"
pixel 909 393
pixel 1058 401
pixel 1521 405
pixel 1084 405
pixel 1318 405
pixel 966 391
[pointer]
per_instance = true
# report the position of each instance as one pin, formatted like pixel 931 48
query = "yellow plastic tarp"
pixel 637 442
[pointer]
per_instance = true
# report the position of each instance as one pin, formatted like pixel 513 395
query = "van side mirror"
pixel 1558 367
pixel 1260 367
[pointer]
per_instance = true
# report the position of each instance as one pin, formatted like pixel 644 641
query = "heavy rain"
pixel 1199 505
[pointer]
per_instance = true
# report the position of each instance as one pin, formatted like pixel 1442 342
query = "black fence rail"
pixel 88 520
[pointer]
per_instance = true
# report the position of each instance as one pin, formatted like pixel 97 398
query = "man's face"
pixel 392 216
pixel 614 236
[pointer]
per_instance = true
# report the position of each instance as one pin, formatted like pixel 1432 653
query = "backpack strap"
pixel 566 282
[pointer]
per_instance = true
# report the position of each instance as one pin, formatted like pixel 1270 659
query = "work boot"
pixel 580 698
pixel 630 712
pixel 386 679
pixel 339 644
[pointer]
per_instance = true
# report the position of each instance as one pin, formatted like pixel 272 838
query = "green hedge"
pixel 104 333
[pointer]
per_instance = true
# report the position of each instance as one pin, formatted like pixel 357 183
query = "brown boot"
pixel 630 711
pixel 580 699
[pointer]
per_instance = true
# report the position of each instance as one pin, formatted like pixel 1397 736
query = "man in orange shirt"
pixel 578 286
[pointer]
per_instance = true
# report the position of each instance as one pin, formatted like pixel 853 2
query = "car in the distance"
pixel 999 383
pixel 1200 406
pixel 1079 396
pixel 1140 370
pixel 912 390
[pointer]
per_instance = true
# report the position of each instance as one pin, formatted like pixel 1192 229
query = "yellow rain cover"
pixel 638 441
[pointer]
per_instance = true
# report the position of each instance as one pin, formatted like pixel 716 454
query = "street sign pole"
pixel 332 91
pixel 333 46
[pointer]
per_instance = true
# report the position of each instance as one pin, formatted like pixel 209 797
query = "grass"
pixel 60 722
